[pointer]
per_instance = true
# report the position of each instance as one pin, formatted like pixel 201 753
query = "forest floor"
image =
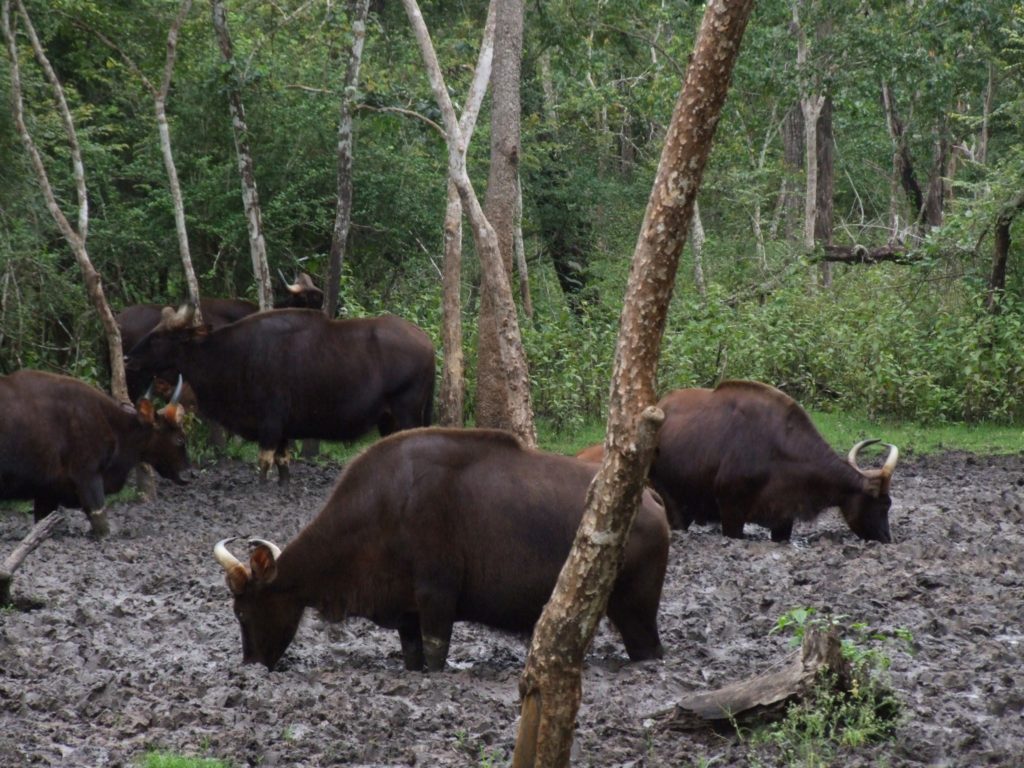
pixel 134 647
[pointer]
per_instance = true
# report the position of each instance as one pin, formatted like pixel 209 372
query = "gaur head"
pixel 867 512
pixel 157 351
pixel 166 448
pixel 302 294
pixel 269 616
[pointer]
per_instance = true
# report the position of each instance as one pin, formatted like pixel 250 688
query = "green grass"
pixel 167 760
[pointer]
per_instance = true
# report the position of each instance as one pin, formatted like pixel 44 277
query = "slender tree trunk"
pixel 492 387
pixel 981 154
pixel 787 210
pixel 697 244
pixel 519 250
pixel 496 280
pixel 1001 250
pixel 75 238
pixel 811 107
pixel 453 381
pixel 246 168
pixel 550 686
pixel 932 213
pixel 902 164
pixel 825 186
pixel 357 11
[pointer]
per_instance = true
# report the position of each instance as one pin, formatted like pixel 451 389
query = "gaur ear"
pixel 147 414
pixel 263 561
pixel 202 331
pixel 173 415
pixel 236 579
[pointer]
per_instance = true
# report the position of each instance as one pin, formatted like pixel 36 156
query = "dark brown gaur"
pixel 745 452
pixel 433 526
pixel 64 443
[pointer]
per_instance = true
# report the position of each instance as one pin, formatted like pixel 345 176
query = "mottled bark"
pixel 496 279
pixel 452 395
pixel 492 387
pixel 519 251
pixel 356 11
pixel 75 237
pixel 550 685
pixel 246 167
pixel 697 245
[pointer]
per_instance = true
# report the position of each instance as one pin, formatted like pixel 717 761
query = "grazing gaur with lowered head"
pixel 137 320
pixel 433 526
pixel 63 442
pixel 745 452
pixel 288 374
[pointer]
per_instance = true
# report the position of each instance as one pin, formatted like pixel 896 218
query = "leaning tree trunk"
pixel 550 686
pixel 357 11
pixel 246 168
pixel 75 237
pixel 496 279
pixel 452 395
pixel 902 163
pixel 492 387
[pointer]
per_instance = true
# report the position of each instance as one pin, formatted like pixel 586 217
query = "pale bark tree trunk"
pixel 981 153
pixel 550 686
pixel 825 187
pixel 519 249
pixel 163 128
pixel 811 105
pixel 357 11
pixel 697 244
pixel 495 276
pixel 492 387
pixel 75 237
pixel 452 395
pixel 246 168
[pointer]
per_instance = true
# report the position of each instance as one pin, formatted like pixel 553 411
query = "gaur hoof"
pixel 99 524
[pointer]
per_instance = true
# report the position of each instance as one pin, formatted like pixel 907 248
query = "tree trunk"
pixel 811 107
pixel 697 244
pixel 246 168
pixel 357 10
pixel 902 164
pixel 1001 250
pixel 492 386
pixel 452 396
pixel 550 685
pixel 496 279
pixel 519 250
pixel 825 186
pixel 932 213
pixel 75 237
pixel 787 209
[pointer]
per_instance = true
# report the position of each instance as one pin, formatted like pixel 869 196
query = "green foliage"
pixel 839 714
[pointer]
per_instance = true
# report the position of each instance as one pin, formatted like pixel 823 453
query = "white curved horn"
pixel 177 391
pixel 890 461
pixel 852 457
pixel 275 550
pixel 221 554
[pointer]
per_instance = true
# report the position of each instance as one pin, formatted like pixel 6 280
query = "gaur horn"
pixel 148 395
pixel 890 461
pixel 291 287
pixel 177 391
pixel 852 458
pixel 275 550
pixel 221 554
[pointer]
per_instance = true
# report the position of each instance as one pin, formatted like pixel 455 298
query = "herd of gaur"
pixel 428 526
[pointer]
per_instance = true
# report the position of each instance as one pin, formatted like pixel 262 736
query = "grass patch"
pixel 157 759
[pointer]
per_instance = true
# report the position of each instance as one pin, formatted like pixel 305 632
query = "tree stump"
pixel 765 697
pixel 39 533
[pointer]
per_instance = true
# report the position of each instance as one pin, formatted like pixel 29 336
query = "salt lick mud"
pixel 134 646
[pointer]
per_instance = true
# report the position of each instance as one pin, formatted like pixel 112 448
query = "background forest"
pixel 896 307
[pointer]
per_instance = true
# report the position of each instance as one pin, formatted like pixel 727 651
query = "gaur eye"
pixel 179 441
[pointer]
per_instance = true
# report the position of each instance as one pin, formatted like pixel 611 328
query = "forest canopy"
pixel 892 307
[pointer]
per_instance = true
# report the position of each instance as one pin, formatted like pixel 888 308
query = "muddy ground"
pixel 134 646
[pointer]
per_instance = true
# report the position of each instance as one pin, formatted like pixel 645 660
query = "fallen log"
pixel 39 533
pixel 767 696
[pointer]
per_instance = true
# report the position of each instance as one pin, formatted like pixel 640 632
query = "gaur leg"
pixel 266 461
pixel 732 520
pixel 633 605
pixel 412 643
pixel 93 500
pixel 782 531
pixel 436 607
pixel 282 458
